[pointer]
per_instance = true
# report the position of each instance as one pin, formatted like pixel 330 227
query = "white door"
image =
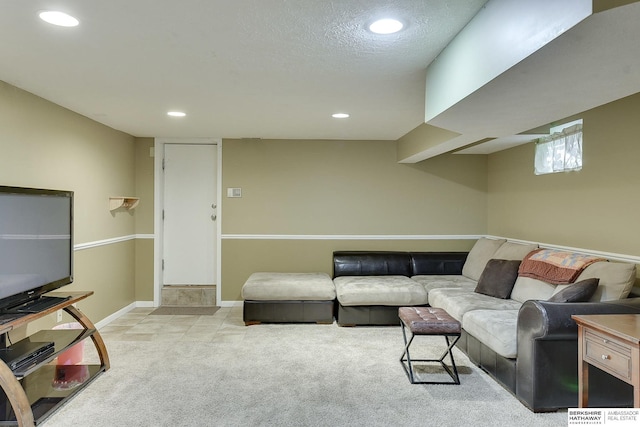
pixel 190 214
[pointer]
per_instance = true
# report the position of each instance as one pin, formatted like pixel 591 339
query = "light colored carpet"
pixel 185 311
pixel 288 375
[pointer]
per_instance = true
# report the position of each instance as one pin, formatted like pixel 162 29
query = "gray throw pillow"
pixel 498 278
pixel 577 292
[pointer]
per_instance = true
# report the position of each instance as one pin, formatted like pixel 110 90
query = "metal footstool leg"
pixel 407 362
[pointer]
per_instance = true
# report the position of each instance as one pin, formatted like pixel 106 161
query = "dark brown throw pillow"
pixel 498 278
pixel 578 292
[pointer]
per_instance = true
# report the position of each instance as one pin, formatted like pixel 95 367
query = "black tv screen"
pixel 36 243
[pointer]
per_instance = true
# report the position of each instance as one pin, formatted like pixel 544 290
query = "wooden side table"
pixel 610 342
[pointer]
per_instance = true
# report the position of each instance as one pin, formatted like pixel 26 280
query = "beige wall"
pixel 349 187
pixel 595 208
pixel 144 184
pixel 326 188
pixel 44 145
pixel 308 187
pixel 144 188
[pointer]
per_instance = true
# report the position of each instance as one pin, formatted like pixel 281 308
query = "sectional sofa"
pixel 516 325
pixel 520 332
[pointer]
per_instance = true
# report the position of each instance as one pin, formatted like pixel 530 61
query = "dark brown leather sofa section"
pixel 388 263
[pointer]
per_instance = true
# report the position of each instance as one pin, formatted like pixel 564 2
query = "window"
pixel 561 151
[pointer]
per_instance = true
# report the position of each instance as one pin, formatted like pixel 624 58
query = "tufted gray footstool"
pixel 429 321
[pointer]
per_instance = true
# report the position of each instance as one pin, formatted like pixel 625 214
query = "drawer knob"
pixel 606 357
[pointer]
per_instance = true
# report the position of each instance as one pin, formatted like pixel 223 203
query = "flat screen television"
pixel 36 243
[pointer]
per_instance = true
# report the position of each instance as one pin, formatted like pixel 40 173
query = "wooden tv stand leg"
pixel 96 337
pixel 15 393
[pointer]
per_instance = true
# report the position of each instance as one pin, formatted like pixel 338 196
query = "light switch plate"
pixel 234 192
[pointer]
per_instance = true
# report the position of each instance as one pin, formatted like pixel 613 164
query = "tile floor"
pixel 225 325
pixel 189 296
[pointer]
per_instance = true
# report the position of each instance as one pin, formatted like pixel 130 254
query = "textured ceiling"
pixel 239 69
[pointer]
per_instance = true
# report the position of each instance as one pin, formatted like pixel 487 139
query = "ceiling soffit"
pixel 589 65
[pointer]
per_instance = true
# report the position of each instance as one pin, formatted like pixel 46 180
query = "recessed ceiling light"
pixel 176 114
pixel 60 19
pixel 386 26
pixel 340 115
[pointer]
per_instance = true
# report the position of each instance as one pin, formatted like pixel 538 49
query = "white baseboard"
pixel 230 303
pixel 104 322
pixel 145 304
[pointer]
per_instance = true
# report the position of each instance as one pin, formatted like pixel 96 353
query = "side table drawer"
pixel 608 354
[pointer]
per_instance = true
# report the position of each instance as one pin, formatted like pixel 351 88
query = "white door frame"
pixel 158 194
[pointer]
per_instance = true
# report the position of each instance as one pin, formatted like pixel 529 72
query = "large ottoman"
pixel 288 297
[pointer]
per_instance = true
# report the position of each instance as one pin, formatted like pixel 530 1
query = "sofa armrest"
pixel 547 360
pixel 543 320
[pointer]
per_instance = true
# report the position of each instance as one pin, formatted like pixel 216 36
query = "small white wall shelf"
pixel 123 202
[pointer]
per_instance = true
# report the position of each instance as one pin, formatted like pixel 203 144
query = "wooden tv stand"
pixel 31 395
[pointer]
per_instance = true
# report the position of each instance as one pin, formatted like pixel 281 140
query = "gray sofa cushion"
pixel 435 282
pixel 457 302
pixel 263 286
pixel 616 279
pixel 514 251
pixel 527 288
pixel 379 290
pixel 497 329
pixel 481 252
pixel 498 278
pixel 576 292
